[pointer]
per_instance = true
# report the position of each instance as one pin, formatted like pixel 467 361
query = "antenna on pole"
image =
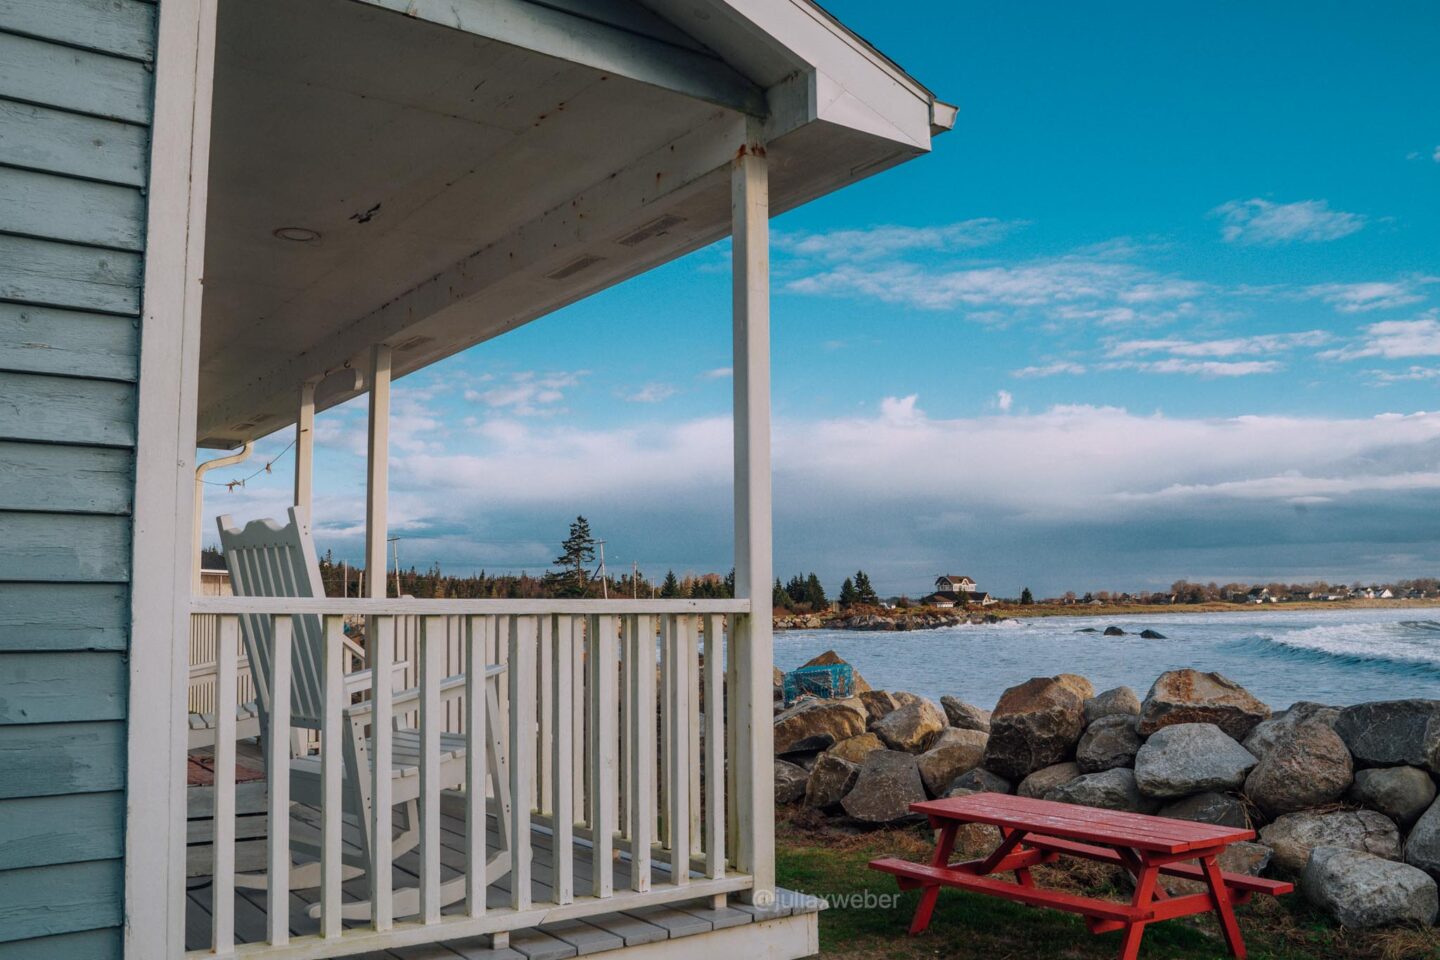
pixel 634 579
pixel 604 585
pixel 396 551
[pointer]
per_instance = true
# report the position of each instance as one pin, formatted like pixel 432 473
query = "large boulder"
pixel 1111 789
pixel 1190 758
pixel 964 715
pixel 1280 726
pixel 1117 701
pixel 1189 696
pixel 1309 768
pixel 830 780
pixel 1294 835
pixel 818 724
pixel 831 658
pixel 889 781
pixel 912 727
pixel 1393 732
pixel 1034 725
pixel 1401 793
pixel 1362 891
pixel 878 704
pixel 978 780
pixel 1045 779
pixel 1221 809
pixel 952 753
pixel 789 782
pixel 1109 742
pixel 1422 847
pixel 855 749
pixel 1077 684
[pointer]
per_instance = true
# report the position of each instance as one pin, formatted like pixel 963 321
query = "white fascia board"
pixel 854 86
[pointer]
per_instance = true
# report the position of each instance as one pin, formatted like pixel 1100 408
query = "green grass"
pixel 829 863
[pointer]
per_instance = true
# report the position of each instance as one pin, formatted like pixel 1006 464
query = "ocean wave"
pixel 1408 649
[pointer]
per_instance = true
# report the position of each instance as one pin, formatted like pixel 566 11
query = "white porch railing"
pixel 617 751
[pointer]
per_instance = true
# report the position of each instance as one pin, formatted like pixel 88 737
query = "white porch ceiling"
pixel 462 186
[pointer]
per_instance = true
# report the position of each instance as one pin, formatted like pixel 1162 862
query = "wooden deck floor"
pixel 553 941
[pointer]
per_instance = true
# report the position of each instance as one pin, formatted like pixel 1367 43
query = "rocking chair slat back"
pixel 266 560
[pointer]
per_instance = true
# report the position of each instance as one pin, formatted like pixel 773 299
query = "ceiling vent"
pixel 654 228
pixel 574 267
pixel 411 344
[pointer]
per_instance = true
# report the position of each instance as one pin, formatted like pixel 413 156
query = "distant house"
pixel 1385 594
pixel 942 601
pixel 950 583
pixel 1260 595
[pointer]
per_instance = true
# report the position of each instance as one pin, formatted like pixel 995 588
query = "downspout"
pixel 195 534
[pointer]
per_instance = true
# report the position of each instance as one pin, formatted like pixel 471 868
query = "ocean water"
pixel 1338 657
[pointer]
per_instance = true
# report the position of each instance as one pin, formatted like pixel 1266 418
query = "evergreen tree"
pixel 795 590
pixel 1026 597
pixel 730 583
pixel 779 599
pixel 864 593
pixel 815 594
pixel 576 553
pixel 671 587
pixel 848 594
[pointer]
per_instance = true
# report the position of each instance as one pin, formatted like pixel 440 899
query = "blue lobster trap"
pixel 824 682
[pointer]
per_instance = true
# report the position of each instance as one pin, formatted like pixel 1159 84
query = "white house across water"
pixel 218 217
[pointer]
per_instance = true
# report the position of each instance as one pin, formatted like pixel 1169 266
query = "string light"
pixel 233 485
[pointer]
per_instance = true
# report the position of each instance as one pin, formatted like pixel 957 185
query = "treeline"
pixel 805 594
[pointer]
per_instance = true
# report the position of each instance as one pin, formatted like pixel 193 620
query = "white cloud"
pixel 527 393
pixel 651 393
pixel 1209 369
pixel 1373 295
pixel 1049 369
pixel 1004 400
pixel 874 243
pixel 1395 339
pixel 1053 282
pixel 1436 155
pixel 719 373
pixel 1414 373
pixel 1264 222
pixel 1269 343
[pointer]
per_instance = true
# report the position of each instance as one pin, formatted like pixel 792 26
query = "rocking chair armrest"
pixel 360 680
pixel 451 688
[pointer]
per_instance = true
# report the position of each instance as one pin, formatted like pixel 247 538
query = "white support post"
pixel 168 386
pixel 750 226
pixel 305 447
pixel 377 486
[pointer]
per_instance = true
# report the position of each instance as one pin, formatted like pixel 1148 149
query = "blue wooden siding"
pixel 76 97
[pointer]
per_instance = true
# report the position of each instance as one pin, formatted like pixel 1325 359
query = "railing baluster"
pixel 477 641
pixel 714 748
pixel 223 822
pixel 523 632
pixel 332 767
pixel 640 717
pixel 692 723
pixel 733 722
pixel 577 721
pixel 544 668
pixel 562 761
pixel 277 772
pixel 624 751
pixel 602 756
pixel 662 806
pixel 432 648
pixel 382 693
pixel 677 723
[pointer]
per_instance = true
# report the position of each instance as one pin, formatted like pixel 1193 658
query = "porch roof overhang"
pixel 471 165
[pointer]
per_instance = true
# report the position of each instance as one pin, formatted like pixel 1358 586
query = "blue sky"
pixel 1165 303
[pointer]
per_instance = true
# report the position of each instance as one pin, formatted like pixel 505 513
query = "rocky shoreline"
pixel 1344 800
pixel 926 619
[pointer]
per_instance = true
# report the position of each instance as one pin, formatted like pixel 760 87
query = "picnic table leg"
pixel 1223 908
pixel 1144 893
pixel 944 847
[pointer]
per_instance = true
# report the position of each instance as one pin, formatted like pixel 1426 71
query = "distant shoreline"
pixel 931 618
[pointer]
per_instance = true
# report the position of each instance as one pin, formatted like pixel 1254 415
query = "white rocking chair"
pixel 266 560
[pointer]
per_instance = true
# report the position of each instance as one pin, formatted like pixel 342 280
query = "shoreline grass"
pixel 829 861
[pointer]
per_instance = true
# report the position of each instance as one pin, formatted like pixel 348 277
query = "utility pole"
pixel 604 585
pixel 344 580
pixel 396 550
pixel 634 579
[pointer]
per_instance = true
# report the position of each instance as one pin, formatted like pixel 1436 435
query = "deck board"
pixel 552 941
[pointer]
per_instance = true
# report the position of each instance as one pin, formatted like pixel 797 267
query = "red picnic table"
pixel 1040 831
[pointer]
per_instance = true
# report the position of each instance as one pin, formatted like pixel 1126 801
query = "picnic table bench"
pixel 1040 831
